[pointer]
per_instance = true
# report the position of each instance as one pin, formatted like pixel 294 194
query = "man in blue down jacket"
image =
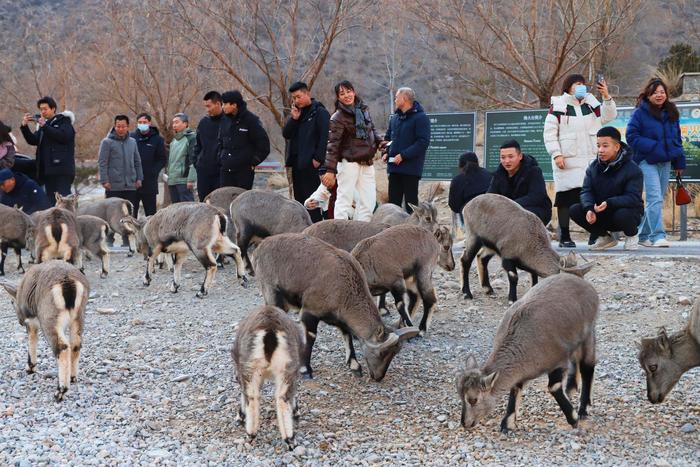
pixel 407 138
pixel 21 191
pixel 151 146
pixel 307 134
pixel 611 197
pixel 55 152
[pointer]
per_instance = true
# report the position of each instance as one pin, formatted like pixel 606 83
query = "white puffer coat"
pixel 570 130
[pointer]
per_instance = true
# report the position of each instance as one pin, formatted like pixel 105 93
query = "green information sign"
pixel 524 126
pixel 451 134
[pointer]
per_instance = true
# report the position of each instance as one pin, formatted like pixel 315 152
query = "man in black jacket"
pixel 519 178
pixel 207 149
pixel 55 142
pixel 611 197
pixel 243 142
pixel 307 134
pixel 153 158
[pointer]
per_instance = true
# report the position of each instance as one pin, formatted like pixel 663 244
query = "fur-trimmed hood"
pixel 559 103
pixel 70 115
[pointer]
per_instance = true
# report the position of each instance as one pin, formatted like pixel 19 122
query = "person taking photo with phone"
pixel 55 142
pixel 570 130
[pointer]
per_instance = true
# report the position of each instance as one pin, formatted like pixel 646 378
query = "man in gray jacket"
pixel 120 164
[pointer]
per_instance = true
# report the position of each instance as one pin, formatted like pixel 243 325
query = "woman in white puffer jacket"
pixel 570 130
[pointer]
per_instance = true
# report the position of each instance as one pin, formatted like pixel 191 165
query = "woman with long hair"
pixel 352 144
pixel 570 138
pixel 654 133
pixel 7 147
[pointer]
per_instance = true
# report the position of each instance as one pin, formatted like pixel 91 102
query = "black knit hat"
pixel 610 132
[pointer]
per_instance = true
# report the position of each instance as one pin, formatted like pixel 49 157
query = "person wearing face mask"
pixel 654 133
pixel 151 146
pixel 120 163
pixel 352 143
pixel 570 138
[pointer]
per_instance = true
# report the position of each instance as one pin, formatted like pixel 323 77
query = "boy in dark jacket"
pixel 519 178
pixel 307 133
pixel 21 191
pixel 243 142
pixel 151 146
pixel 55 152
pixel 611 197
pixel 409 137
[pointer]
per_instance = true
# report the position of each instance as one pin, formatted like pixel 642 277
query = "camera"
pixel 36 117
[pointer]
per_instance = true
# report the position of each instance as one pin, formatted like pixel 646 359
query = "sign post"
pixel 451 134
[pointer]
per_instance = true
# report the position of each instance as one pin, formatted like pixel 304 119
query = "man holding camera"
pixel 407 138
pixel 55 142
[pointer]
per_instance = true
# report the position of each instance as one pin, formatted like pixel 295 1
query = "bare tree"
pixel 148 68
pixel 513 53
pixel 266 46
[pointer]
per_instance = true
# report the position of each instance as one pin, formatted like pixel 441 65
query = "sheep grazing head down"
pixel 379 356
pixel 656 359
pixel 475 390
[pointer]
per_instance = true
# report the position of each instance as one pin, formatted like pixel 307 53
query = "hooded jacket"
pixel 243 141
pixel 344 145
pixel 570 131
pixel 655 139
pixel 207 148
pixel 55 142
pixel 409 133
pixel 619 184
pixel 27 195
pixel 119 162
pixel 181 158
pixel 151 148
pixel 467 186
pixel 308 136
pixel 526 187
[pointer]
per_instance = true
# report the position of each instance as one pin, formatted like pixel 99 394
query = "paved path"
pixel 688 249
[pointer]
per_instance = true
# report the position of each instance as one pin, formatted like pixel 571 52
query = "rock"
pixel 106 311
pixel 441 418
pixel 575 446
pixel 683 300
pixel 688 428
pixel 181 379
pixel 162 453
pixel 299 451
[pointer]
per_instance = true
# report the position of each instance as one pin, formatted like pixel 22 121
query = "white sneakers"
pixel 632 243
pixel 660 243
pixel 603 243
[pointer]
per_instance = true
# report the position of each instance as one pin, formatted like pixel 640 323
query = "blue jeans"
pixel 656 178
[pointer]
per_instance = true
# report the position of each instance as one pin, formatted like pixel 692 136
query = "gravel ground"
pixel 156 383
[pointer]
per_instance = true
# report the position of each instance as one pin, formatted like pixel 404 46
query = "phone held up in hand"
pixel 599 77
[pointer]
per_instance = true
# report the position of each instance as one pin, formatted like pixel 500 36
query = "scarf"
pixel 360 126
pixel 4 148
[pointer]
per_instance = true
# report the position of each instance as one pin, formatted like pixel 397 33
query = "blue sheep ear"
pixel 490 380
pixel 663 340
pixel 472 364
pixel 10 288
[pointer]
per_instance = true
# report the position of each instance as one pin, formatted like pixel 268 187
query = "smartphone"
pixel 392 159
pixel 599 77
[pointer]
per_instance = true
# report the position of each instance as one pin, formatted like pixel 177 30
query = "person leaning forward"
pixel 611 197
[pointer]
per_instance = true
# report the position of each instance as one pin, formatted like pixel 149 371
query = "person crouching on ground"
pixel 611 196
